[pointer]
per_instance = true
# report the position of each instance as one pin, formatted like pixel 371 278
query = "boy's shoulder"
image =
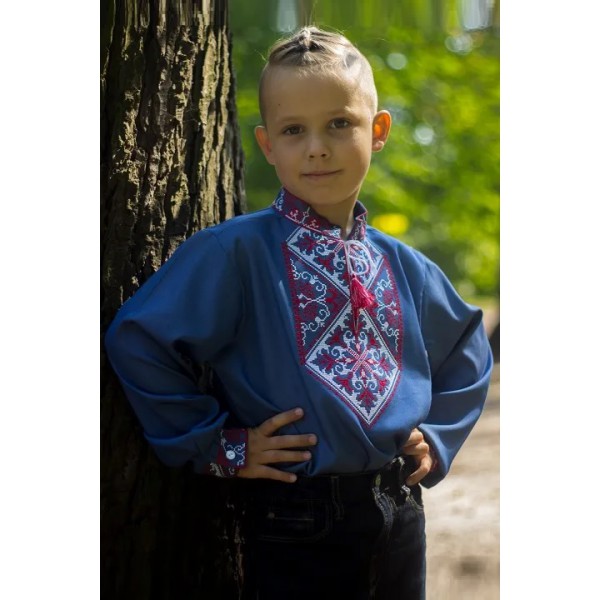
pixel 246 222
pixel 417 267
pixel 242 228
pixel 394 248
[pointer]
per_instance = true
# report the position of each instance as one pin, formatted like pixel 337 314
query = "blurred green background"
pixel 436 65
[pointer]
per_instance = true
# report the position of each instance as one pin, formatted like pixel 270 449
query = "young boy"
pixel 351 371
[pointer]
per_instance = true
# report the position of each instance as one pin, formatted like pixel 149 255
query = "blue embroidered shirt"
pixel 265 299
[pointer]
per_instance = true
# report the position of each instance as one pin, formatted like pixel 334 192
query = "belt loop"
pixel 377 481
pixel 399 476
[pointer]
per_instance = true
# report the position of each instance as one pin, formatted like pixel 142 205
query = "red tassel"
pixel 360 297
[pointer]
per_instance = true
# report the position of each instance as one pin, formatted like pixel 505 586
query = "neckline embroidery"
pixel 301 213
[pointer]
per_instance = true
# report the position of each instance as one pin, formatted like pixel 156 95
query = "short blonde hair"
pixel 318 50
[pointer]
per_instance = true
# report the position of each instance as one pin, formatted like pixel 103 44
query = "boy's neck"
pixel 341 215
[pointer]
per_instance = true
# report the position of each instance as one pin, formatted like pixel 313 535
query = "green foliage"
pixel 436 183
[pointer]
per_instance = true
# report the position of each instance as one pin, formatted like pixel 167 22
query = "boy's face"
pixel 320 130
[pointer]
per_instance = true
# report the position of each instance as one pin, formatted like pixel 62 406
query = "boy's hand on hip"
pixel 264 448
pixel 417 446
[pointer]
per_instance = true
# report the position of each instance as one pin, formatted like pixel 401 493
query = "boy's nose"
pixel 317 148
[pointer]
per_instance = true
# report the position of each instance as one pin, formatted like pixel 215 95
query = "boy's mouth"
pixel 319 174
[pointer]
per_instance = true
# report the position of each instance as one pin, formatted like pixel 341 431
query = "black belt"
pixel 353 486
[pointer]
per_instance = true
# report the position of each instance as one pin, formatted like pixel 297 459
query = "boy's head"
pixel 318 103
pixel 312 51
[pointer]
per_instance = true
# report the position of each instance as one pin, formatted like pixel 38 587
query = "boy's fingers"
pixel 415 437
pixel 291 441
pixel 417 476
pixel 270 426
pixel 417 449
pixel 275 456
pixel 270 473
pixel 423 469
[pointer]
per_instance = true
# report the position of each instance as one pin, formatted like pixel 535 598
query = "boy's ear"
pixel 262 137
pixel 382 123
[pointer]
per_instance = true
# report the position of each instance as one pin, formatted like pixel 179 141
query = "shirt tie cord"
pixel 360 296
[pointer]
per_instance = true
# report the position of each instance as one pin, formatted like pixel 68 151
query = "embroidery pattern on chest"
pixel 361 365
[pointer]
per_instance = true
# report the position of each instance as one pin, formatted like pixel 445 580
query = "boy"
pixel 350 369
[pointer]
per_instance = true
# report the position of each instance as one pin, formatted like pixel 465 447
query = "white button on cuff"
pixel 230 454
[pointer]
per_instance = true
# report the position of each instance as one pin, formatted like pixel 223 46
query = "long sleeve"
pixel 460 362
pixel 185 314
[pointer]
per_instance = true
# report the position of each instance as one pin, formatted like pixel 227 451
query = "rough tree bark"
pixel 171 164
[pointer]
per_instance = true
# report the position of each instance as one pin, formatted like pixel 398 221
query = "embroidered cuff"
pixel 232 453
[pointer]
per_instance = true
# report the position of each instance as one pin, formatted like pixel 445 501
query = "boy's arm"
pixel 460 361
pixel 186 313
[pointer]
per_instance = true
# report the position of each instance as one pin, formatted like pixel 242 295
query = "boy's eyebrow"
pixel 330 113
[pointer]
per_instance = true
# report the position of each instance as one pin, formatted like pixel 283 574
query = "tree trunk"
pixel 171 164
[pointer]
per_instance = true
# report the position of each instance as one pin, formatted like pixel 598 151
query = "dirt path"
pixel 463 515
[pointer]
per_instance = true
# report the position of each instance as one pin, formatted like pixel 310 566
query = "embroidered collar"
pixel 301 213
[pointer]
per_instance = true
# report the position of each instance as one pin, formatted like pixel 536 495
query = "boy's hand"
pixel 264 448
pixel 417 446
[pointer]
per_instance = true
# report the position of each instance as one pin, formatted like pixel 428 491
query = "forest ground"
pixel 463 515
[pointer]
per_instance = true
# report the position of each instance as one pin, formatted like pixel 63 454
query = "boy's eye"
pixel 292 130
pixel 339 123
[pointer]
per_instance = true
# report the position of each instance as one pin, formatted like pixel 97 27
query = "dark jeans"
pixel 346 536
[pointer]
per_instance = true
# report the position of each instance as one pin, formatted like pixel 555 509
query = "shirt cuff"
pixel 231 456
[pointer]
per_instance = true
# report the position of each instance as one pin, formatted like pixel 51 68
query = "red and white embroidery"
pixel 360 362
